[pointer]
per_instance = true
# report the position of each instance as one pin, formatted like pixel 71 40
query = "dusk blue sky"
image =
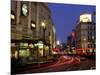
pixel 65 16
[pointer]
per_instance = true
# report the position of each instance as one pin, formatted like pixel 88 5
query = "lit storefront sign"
pixel 23 45
pixel 85 18
pixel 31 45
pixel 39 44
pixel 24 53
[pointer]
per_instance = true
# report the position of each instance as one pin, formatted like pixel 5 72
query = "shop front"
pixel 28 52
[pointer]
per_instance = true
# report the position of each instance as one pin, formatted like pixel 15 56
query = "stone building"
pixel 31 29
pixel 85 35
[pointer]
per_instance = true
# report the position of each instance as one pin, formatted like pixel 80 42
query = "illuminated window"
pixel 12 16
pixel 22 53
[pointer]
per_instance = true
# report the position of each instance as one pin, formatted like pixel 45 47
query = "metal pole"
pixel 44 42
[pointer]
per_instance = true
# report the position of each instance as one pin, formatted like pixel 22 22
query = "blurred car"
pixel 63 59
pixel 80 58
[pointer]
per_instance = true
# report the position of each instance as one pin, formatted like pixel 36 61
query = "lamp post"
pixel 13 18
pixel 33 27
pixel 44 28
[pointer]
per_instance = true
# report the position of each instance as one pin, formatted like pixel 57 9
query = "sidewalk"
pixel 32 66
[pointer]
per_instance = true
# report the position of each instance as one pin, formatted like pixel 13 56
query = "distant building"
pixel 71 43
pixel 85 35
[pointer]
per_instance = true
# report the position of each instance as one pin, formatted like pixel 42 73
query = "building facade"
pixel 85 35
pixel 54 37
pixel 31 29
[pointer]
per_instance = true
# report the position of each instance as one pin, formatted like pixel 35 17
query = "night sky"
pixel 65 16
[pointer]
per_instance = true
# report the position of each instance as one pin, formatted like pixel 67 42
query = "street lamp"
pixel 44 28
pixel 58 45
pixel 12 17
pixel 43 25
pixel 58 42
pixel 33 25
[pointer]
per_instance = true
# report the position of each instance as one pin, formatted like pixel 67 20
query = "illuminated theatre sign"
pixel 86 18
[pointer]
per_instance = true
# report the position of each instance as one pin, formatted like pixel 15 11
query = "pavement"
pixel 72 65
pixel 52 67
pixel 24 68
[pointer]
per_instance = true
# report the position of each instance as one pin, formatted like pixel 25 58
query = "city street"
pixel 47 37
pixel 71 65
